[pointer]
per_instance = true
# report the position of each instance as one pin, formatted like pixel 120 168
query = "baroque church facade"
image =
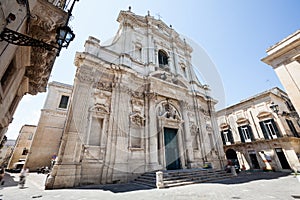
pixel 137 106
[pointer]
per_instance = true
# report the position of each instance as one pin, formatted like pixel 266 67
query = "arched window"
pixel 162 58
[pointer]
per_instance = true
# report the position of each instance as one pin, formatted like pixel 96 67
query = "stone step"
pixel 188 182
pixel 195 178
pixel 172 178
pixel 138 182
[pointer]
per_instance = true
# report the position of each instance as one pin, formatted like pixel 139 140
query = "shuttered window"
pixel 227 137
pixel 246 134
pixel 269 129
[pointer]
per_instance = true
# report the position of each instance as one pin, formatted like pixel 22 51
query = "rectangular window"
pixel 292 128
pixel 25 151
pixel 30 136
pixel 14 104
pixel 269 129
pixel 246 134
pixel 227 137
pixel 8 75
pixel 64 101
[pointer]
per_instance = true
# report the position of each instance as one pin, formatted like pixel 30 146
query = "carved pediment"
pixel 242 120
pixel 224 126
pixel 264 114
pixel 99 109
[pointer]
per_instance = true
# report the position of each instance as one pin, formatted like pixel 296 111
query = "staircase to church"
pixel 173 178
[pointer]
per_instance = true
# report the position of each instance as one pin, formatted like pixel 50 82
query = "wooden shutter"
pixel 241 135
pixel 223 139
pixel 251 133
pixel 275 128
pixel 230 137
pixel 263 128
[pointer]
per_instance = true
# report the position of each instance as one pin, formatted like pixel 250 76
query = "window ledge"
pixel 136 148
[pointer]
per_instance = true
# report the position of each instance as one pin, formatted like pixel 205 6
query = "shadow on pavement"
pixel 9 180
pixel 249 176
pixel 117 188
pixel 242 177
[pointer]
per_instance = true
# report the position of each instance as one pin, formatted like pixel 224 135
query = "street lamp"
pixel 274 107
pixel 64 35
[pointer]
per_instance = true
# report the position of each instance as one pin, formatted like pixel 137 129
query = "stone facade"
pixel 46 141
pixel 136 107
pixel 22 147
pixel 26 69
pixel 284 57
pixel 255 137
pixel 6 152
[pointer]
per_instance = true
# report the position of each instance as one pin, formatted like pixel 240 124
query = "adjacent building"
pixel 29 45
pixel 6 152
pixel 45 145
pixel 284 57
pixel 261 132
pixel 137 106
pixel 22 147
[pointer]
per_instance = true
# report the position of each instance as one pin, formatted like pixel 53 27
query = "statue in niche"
pixel 193 129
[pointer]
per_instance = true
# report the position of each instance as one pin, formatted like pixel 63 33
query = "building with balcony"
pixel 29 45
pixel 6 152
pixel 261 132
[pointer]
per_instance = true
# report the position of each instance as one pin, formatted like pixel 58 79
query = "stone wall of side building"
pixel 257 138
pixel 284 57
pixel 22 147
pixel 47 138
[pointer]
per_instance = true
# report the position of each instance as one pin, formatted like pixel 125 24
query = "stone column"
pixel 152 128
pixel 187 134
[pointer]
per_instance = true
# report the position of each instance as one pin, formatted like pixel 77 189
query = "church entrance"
pixel 171 149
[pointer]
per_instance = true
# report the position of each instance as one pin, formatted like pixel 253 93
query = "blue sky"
pixel 233 33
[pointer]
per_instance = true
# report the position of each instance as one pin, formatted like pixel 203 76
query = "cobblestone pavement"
pixel 246 186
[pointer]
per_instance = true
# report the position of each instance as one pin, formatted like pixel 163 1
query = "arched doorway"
pixel 232 156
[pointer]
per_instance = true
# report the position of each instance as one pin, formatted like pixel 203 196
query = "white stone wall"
pixel 122 102
pixel 49 131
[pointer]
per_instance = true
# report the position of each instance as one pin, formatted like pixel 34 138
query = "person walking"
pixel 23 174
